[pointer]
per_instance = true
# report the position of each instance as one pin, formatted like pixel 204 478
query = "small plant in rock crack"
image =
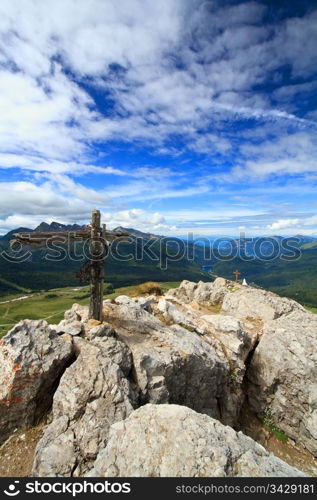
pixel 232 375
pixel 187 327
pixel 268 422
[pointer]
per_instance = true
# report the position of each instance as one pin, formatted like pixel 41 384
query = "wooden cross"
pixel 99 240
pixel 237 273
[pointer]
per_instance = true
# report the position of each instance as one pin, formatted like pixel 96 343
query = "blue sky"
pixel 171 116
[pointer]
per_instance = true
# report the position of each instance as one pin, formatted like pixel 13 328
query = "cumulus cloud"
pixel 290 223
pixel 283 224
pixel 169 67
pixel 184 78
pixel 289 153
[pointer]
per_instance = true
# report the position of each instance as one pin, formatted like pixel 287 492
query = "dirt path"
pixel 15 300
pixel 291 453
pixel 17 453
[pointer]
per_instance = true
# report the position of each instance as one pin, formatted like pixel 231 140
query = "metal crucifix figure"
pixel 99 240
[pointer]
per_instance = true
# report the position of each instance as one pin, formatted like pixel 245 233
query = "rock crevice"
pixel 212 348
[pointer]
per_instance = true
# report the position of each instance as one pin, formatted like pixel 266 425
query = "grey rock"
pixel 93 329
pixel 175 441
pixel 235 340
pixel 177 349
pixel 124 299
pixel 146 302
pixel 257 303
pixel 171 363
pixel 282 376
pixel 32 358
pixel 77 312
pixel 203 293
pixel 182 316
pixel 93 393
pixel 72 327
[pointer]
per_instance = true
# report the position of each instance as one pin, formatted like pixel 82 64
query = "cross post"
pixel 97 249
pixel 99 239
pixel 237 274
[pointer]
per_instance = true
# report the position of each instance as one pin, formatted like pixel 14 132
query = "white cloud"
pixel 140 219
pixel 283 224
pixel 292 153
pixel 291 223
pixel 47 111
pixel 161 70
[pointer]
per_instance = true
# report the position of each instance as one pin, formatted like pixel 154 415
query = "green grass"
pixel 51 305
pixel 307 246
pixel 268 422
pixel 312 309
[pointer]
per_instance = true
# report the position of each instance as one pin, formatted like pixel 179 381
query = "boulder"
pixel 179 314
pixel 71 327
pixel 172 364
pixel 146 302
pixel 257 303
pixel 93 329
pixel 235 340
pixel 32 359
pixel 175 441
pixel 227 337
pixel 93 393
pixel 77 312
pixel 282 376
pixel 203 293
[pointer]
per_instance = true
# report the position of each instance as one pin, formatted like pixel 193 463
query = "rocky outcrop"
pixel 171 363
pixel 203 293
pixel 259 304
pixel 235 299
pixel 174 441
pixel 93 393
pixel 214 348
pixel 226 336
pixel 32 359
pixel 282 369
pixel 147 362
pixel 282 378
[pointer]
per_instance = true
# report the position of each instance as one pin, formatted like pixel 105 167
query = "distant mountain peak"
pixel 136 232
pixel 56 226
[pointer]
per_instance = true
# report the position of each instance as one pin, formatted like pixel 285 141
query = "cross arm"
pixel 41 238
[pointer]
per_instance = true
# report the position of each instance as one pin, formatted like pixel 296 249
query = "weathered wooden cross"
pixel 99 240
pixel 237 274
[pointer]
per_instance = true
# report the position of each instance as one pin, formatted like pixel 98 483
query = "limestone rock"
pixel 93 329
pixel 77 312
pixel 235 340
pixel 93 393
pixel 123 299
pixel 283 374
pixel 175 441
pixel 173 314
pixel 228 338
pixel 171 363
pixel 257 303
pixel 146 302
pixel 72 327
pixel 180 349
pixel 32 359
pixel 203 293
